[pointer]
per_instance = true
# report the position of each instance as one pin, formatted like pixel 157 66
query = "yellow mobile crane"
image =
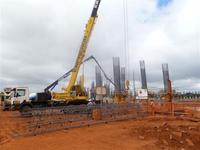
pixel 77 92
pixel 73 94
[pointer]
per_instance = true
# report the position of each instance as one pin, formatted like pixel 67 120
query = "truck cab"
pixel 13 97
pixel 1 98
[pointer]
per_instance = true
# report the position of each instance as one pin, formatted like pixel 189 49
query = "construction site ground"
pixel 152 133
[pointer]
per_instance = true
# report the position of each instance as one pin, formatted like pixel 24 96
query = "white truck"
pixel 13 97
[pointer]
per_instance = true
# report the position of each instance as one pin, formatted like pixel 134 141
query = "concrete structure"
pixel 107 86
pixel 143 74
pixel 98 77
pixel 92 91
pixel 116 74
pixel 123 78
pixel 165 71
pixel 134 87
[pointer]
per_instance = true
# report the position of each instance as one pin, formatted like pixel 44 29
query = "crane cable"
pixel 126 37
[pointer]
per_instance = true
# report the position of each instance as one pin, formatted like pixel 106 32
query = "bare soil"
pixel 149 134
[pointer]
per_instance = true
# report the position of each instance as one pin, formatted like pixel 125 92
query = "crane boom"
pixel 76 92
pixel 73 94
pixel 84 44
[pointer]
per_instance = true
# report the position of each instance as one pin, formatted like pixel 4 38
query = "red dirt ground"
pixel 149 134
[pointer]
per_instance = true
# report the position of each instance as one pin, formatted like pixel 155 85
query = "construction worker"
pixel 152 107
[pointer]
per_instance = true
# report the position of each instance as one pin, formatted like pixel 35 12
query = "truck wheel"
pixel 4 107
pixel 26 108
pixel 26 111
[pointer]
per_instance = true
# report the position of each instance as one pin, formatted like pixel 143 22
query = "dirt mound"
pixel 171 136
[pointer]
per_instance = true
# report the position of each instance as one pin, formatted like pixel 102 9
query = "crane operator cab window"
pixel 73 91
pixel 76 91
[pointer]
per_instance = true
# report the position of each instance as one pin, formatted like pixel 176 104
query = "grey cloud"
pixel 39 40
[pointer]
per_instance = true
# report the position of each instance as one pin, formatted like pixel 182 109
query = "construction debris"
pixel 171 136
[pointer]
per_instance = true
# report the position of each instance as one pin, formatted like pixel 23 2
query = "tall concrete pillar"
pixel 116 73
pixel 165 71
pixel 92 91
pixel 98 77
pixel 143 74
pixel 123 78
pixel 134 87
pixel 107 86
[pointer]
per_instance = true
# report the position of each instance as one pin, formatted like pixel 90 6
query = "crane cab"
pixel 77 96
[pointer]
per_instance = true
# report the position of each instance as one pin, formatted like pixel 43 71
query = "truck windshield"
pixel 21 92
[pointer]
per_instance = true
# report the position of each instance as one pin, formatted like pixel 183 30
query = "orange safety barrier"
pixel 173 108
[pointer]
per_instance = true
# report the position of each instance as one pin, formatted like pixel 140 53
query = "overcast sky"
pixel 39 40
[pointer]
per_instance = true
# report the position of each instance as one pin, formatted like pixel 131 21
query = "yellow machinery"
pixel 121 96
pixel 77 92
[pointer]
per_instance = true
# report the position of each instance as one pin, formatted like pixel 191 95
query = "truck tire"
pixel 25 108
pixel 4 108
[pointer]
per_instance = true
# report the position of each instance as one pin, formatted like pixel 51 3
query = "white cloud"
pixel 39 39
